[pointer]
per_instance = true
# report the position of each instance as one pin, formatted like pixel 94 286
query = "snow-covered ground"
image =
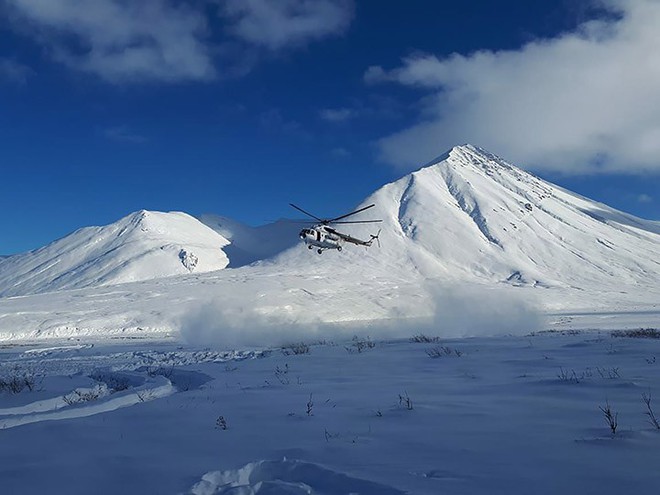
pixel 497 415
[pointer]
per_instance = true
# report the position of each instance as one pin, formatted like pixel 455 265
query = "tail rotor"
pixel 375 238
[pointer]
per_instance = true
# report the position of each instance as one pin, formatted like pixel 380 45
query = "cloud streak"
pixel 284 23
pixel 14 72
pixel 123 134
pixel 336 115
pixel 583 102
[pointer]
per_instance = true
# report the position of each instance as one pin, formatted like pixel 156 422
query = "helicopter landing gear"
pixel 319 251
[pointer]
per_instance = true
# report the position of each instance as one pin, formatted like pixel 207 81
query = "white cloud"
pixel 281 23
pixel 585 101
pixel 644 198
pixel 121 41
pixel 123 134
pixel 341 152
pixel 337 114
pixel 125 41
pixel 12 71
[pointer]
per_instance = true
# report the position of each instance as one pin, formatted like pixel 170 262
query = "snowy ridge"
pixel 140 246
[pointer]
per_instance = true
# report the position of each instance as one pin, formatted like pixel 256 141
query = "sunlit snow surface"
pixel 497 415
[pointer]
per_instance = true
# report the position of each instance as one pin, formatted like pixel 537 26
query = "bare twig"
pixel 649 411
pixel 406 401
pixel 310 406
pixel 611 418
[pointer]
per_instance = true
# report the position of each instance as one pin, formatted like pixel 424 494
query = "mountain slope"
pixel 470 215
pixel 250 244
pixel 140 246
pixel 477 215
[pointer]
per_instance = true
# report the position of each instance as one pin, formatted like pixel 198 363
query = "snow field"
pixel 488 415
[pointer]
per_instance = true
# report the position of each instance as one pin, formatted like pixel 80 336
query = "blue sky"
pixel 238 107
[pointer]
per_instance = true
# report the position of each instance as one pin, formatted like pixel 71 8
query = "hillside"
pixel 471 214
pixel 249 244
pixel 140 246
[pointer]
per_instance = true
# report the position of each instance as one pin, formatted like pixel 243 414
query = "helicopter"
pixel 322 236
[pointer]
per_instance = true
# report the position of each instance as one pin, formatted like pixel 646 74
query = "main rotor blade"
pixel 359 221
pixel 333 220
pixel 307 213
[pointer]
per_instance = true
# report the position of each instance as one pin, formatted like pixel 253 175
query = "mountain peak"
pixel 475 153
pixel 469 155
pixel 155 221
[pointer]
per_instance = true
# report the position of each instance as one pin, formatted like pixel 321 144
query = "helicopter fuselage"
pixel 320 238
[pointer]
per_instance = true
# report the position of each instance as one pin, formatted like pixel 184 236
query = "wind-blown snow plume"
pixel 244 327
pixel 462 310
pixel 446 311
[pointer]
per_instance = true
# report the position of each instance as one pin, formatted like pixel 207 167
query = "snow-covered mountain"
pixel 144 245
pixel 468 233
pixel 470 214
pixel 466 215
pixel 250 244
pixel 140 246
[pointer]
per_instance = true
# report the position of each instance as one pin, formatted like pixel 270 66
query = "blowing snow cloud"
pixel 459 310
